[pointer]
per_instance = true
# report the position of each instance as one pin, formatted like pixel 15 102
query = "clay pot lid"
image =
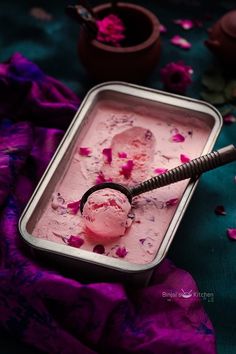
pixel 228 23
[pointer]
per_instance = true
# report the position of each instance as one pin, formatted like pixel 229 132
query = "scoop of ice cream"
pixel 107 213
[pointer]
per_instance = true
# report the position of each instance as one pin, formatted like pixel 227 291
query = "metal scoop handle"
pixel 188 170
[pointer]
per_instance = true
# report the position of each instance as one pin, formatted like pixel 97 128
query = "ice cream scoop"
pixel 106 213
pixel 187 170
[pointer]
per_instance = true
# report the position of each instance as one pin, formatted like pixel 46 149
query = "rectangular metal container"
pixel 89 266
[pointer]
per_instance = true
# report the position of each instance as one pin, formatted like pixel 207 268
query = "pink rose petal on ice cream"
pixel 75 241
pixel 184 158
pixel 178 138
pixel 122 155
pixel 101 178
pixel 220 210
pixel 121 252
pixel 107 152
pixel 231 233
pixel 172 202
pixel 142 240
pixel 180 42
pixel 159 171
pixel 73 207
pixel 84 151
pixel 184 23
pixel 127 168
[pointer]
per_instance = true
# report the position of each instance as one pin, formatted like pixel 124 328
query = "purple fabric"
pixel 45 309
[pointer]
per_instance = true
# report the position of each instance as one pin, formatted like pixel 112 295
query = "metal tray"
pixel 91 266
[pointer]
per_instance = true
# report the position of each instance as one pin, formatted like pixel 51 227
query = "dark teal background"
pixel 200 245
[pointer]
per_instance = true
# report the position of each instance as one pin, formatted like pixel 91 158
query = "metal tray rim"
pixel 101 260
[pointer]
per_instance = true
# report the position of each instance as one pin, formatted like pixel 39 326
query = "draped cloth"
pixel 40 306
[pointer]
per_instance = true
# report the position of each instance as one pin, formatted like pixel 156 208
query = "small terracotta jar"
pixel 222 39
pixel 132 63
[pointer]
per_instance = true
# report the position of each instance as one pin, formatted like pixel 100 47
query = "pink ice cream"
pixel 124 141
pixel 106 213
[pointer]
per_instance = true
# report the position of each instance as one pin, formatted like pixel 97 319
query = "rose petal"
pixel 184 23
pixel 84 151
pixel 40 14
pixel 99 249
pixel 180 42
pixel 231 233
pixel 178 138
pixel 148 134
pixel 172 202
pixel 121 252
pixel 127 168
pixel 160 170
pixel 107 152
pixel 122 155
pixel 74 207
pixel 220 210
pixel 101 178
pixel 142 240
pixel 229 119
pixel 110 30
pixel 184 158
pixel 176 76
pixel 75 241
pixel 162 28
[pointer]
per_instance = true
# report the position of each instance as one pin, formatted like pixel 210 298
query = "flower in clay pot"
pixel 119 49
pixel 176 77
pixel 110 30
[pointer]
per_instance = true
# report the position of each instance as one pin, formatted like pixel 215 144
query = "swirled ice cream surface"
pixel 128 144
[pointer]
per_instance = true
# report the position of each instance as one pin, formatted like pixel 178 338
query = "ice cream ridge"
pixel 124 144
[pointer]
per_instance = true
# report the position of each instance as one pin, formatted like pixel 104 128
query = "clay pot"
pixel 222 39
pixel 132 63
